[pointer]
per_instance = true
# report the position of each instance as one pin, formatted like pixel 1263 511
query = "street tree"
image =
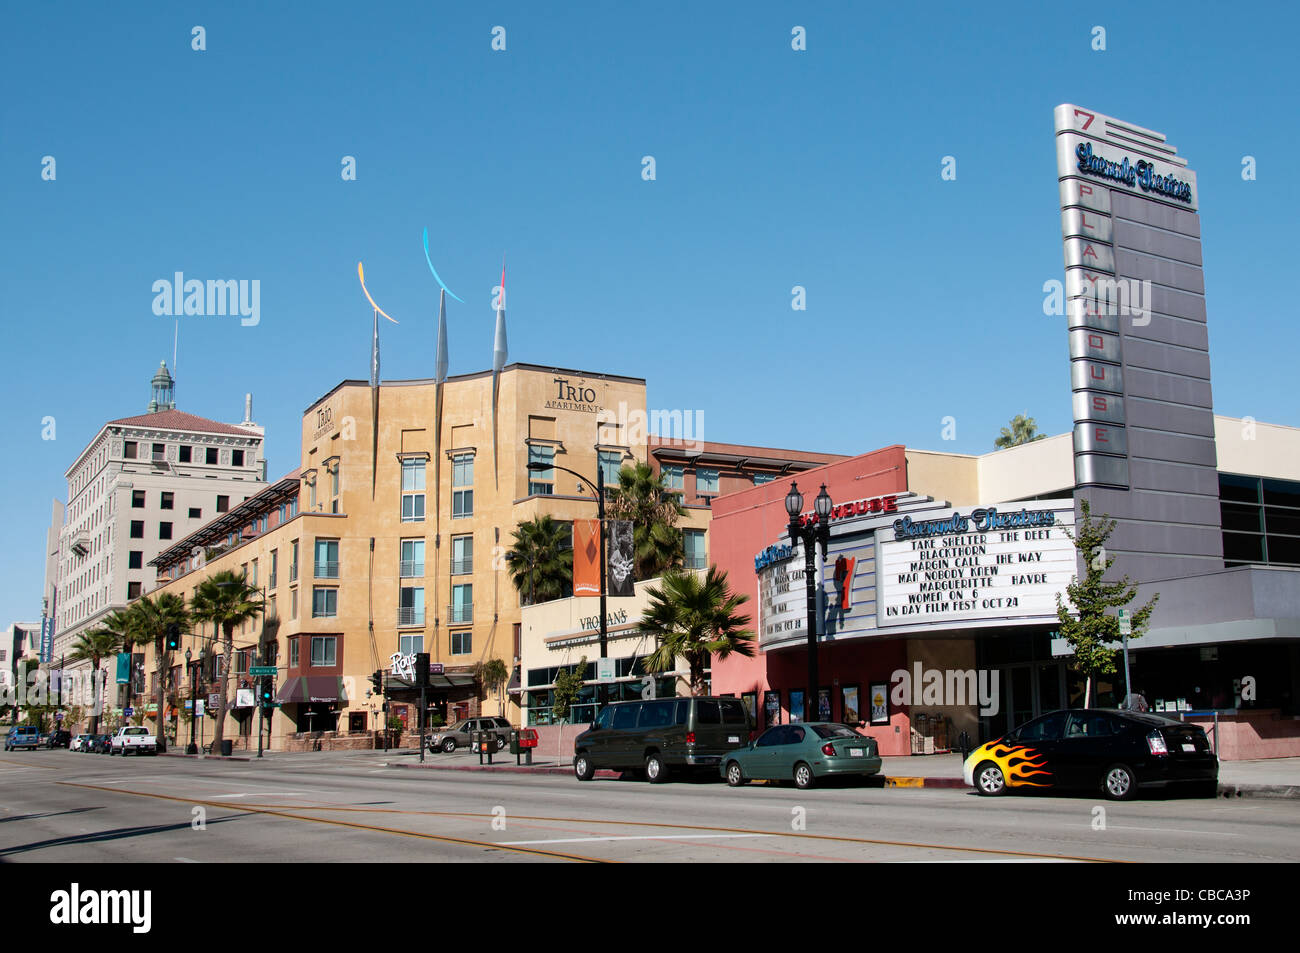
pixel 151 621
pixel 695 618
pixel 95 645
pixel 227 601
pixel 540 560
pixel 1022 430
pixel 1085 624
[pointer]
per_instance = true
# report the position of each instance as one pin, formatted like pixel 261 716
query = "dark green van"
pixel 661 735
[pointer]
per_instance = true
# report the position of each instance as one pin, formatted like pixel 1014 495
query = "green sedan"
pixel 803 753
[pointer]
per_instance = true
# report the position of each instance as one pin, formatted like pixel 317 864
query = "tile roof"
pixel 179 420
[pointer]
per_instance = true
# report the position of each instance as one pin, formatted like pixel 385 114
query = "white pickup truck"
pixel 133 740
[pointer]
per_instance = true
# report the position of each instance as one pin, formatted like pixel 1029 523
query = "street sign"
pixel 435 668
pixel 128 712
pixel 262 670
pixel 1125 622
pixel 604 670
pixel 214 700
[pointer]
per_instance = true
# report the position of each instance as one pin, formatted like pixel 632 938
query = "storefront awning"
pixel 515 687
pixel 436 681
pixel 308 689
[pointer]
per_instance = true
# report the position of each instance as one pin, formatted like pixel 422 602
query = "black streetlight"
pixel 540 466
pixel 192 748
pixel 810 535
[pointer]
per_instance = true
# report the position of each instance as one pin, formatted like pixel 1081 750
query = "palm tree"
pixel 695 618
pixel 540 560
pixel 123 623
pixel 152 620
pixel 654 510
pixel 1022 430
pixel 95 645
pixel 227 601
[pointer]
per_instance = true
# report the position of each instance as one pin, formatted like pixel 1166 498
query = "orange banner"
pixel 586 557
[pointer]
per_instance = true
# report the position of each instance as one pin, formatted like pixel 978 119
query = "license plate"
pixel 733 739
pixel 855 753
pixel 1187 747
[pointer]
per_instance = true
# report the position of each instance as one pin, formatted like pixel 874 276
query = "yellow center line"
pixel 702 827
pixel 260 809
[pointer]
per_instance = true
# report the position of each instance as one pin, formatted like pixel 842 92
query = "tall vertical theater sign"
pixel 1139 349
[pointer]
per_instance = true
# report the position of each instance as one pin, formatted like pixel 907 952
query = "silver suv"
pixel 461 734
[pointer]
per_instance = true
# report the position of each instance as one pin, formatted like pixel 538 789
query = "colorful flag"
pixel 586 557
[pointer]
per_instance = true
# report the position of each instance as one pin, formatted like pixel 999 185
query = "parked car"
pixel 461 734
pixel 80 743
pixel 102 744
pixel 58 739
pixel 22 736
pixel 1092 749
pixel 133 739
pixel 803 753
pixel 661 736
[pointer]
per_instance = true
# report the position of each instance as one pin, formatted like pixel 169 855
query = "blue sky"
pixel 774 168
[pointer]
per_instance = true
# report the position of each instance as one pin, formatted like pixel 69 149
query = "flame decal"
pixel 1019 763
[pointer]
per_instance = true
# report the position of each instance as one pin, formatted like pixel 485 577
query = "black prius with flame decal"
pixel 1092 749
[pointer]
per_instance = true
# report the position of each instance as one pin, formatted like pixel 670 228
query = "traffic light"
pixel 377 680
pixel 173 637
pixel 268 692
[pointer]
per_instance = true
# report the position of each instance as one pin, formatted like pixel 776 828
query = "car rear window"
pixel 835 731
pixel 136 731
pixel 707 712
pixel 656 714
pixel 733 712
pixel 625 715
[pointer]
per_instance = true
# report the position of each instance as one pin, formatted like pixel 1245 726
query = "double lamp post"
pixel 810 534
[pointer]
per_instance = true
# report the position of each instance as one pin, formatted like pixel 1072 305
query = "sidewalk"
pixel 1272 778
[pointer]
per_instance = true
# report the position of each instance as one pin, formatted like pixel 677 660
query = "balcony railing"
pixel 462 567
pixel 461 613
pixel 410 616
pixel 327 570
pixel 412 568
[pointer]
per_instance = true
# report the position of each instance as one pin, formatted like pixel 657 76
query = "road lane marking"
pixel 1170 830
pixel 623 837
pixel 461 841
pixel 228 797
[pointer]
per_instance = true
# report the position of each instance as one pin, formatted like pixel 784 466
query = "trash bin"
pixel 227 747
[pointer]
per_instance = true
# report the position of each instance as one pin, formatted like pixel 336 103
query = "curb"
pixel 202 757
pixel 1259 790
pixel 906 782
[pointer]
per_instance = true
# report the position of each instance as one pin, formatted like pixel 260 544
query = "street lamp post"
pixel 810 535
pixel 192 748
pixel 538 466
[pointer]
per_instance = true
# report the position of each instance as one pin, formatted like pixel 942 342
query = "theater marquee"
pixel 986 563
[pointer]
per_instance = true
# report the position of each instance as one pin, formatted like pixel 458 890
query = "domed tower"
pixel 164 390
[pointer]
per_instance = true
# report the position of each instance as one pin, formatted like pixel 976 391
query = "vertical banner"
pixel 47 640
pixel 586 557
pixel 123 668
pixel 621 563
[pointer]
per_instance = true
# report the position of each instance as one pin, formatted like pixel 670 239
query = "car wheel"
pixel 449 745
pixel 735 776
pixel 583 769
pixel 1119 783
pixel 803 776
pixel 989 780
pixel 656 771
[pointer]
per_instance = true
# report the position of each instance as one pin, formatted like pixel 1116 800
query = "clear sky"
pixel 774 168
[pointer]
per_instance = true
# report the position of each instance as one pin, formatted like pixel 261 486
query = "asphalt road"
pixel 59 806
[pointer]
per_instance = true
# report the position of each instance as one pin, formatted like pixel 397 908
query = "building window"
pixel 324 603
pixel 293 561
pixel 275 569
pixel 159 452
pixel 196 513
pixel 185 453
pixel 462 475
pixel 137 499
pixel 462 643
pixel 164 530
pixel 706 481
pixel 135 559
pixel 252 575
pixel 293 604
pixel 412 491
pixel 1261 520
pixel 462 555
pixel 236 458
pixel 410 609
pixel 693 541
pixel 324 651
pixel 674 478
pixel 611 462
pixel 412 561
pixel 270 608
pixel 293 650
pixel 133 590
pixel 541 481
pixel 210 455
pixel 223 504
pixel 761 478
pixel 137 529
pixel 327 559
pixel 167 501
pixel 462 603
pixel 410 644
pixel 130 450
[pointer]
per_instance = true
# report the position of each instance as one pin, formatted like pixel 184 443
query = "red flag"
pixel 586 557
